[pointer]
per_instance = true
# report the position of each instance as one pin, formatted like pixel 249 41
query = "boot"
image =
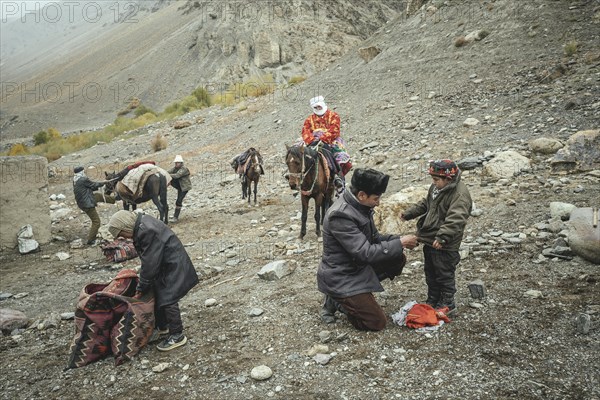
pixel 433 297
pixel 328 310
pixel 176 215
pixel 447 300
pixel 338 182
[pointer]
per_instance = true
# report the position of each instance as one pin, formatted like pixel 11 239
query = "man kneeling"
pixel 356 257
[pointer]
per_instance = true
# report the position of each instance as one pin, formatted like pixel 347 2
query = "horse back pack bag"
pixel 119 250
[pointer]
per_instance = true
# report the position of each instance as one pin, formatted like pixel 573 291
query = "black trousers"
pixel 440 266
pixel 180 194
pixel 169 317
pixel 180 197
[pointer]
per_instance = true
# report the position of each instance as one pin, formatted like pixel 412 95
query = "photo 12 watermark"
pixel 258 10
pixel 53 12
pixel 67 92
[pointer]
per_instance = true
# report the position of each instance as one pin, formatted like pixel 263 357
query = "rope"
pixel 309 192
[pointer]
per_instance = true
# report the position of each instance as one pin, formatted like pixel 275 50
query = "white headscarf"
pixel 318 101
pixel 77 176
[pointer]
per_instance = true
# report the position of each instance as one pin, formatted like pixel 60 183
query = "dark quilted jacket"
pixel 84 192
pixel 351 247
pixel 166 266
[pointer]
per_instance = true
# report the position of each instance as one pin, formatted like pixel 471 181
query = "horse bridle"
pixel 302 174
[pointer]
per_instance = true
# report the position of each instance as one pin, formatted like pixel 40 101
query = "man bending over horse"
pixel 356 258
pixel 180 180
pixel 166 269
pixel 324 126
pixel 83 189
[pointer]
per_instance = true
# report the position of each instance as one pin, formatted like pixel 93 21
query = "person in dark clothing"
pixel 180 180
pixel 166 268
pixel 443 217
pixel 356 257
pixel 83 189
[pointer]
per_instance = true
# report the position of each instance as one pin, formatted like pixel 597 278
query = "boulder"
pixel 267 52
pixel 368 53
pixel 27 244
pixel 387 215
pixel 506 164
pixel 276 270
pixel 561 210
pixel 580 154
pixel 477 35
pixel 12 319
pixel 545 145
pixel 584 237
pixel 470 122
pixel 182 124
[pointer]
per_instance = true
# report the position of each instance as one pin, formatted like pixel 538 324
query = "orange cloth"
pixel 329 124
pixel 421 315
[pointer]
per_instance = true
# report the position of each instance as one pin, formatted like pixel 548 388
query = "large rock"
pixel 506 165
pixel 584 238
pixel 267 51
pixel 561 210
pixel 12 319
pixel 581 153
pixel 368 53
pixel 387 215
pixel 545 145
pixel 276 270
pixel 27 244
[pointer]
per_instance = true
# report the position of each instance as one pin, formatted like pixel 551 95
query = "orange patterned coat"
pixel 326 128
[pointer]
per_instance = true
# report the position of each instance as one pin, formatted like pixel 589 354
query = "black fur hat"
pixel 77 169
pixel 370 181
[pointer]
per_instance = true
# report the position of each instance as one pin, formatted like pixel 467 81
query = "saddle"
pixel 108 320
pixel 131 187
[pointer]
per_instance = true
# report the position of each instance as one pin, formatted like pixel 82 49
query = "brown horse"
pixel 252 171
pixel 308 173
pixel 155 189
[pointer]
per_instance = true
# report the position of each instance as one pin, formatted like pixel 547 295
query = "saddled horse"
pixel 308 173
pixel 155 189
pixel 252 171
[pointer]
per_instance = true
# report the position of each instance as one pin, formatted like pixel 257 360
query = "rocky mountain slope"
pixel 421 97
pixel 160 54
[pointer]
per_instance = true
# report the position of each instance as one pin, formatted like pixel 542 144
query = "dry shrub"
pixel 53 156
pixel 570 48
pixel 18 149
pixel 133 104
pixel 159 143
pixel 294 80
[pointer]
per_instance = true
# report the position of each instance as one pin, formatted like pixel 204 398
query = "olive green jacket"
pixel 445 217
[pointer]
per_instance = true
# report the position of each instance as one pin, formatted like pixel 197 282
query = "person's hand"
pixel 409 241
pixel 436 245
pixel 138 295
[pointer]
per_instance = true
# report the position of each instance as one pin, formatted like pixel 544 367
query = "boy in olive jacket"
pixel 444 213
